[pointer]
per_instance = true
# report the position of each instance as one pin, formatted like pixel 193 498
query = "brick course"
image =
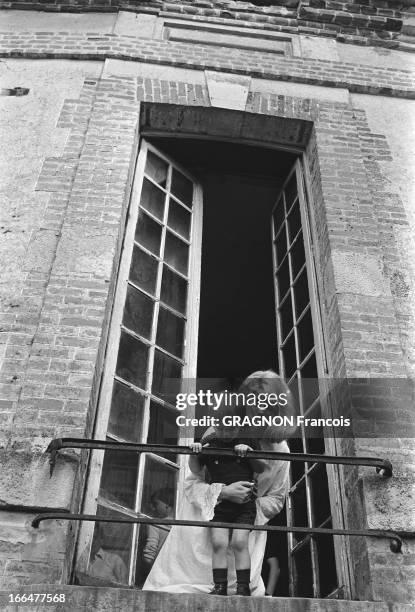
pixel 359 79
pixel 373 22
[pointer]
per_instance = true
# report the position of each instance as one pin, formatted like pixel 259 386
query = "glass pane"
pixel 159 493
pixel 119 477
pixel 291 191
pixel 163 428
pixel 170 332
pixel 152 199
pixel 286 317
pixel 314 436
pixel 176 253
pixel 182 188
pixel 297 255
pixel 297 467
pixel 138 312
pixel 173 290
pixel 132 360
pixel 320 497
pixel 293 386
pixel 327 563
pixel 110 551
pixel 283 279
pixel 156 168
pixel 179 219
pixel 143 270
pixel 289 357
pixel 148 233
pixel 301 296
pixel 278 215
pixel 303 572
pixel 305 335
pixel 294 221
pixel 160 483
pixel 309 386
pixel 316 445
pixel 309 370
pixel 164 368
pixel 281 245
pixel 299 509
pixel 126 416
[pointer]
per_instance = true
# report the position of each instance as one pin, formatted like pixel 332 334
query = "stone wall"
pixel 83 599
pixel 68 158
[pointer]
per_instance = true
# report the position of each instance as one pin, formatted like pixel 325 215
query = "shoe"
pixel 243 589
pixel 220 588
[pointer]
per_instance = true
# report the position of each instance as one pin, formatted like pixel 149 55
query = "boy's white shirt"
pixel 184 564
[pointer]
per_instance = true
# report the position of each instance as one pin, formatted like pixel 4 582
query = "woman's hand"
pixel 242 449
pixel 237 492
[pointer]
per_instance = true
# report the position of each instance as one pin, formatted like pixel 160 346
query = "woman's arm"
pixel 272 490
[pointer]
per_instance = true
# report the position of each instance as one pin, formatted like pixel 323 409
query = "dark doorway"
pixel 237 329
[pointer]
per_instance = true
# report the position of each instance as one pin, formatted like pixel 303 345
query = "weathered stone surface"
pixel 355 274
pixel 227 90
pixel 83 599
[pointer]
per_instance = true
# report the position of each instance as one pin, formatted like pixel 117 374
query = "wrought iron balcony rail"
pixel 395 537
pixel 383 466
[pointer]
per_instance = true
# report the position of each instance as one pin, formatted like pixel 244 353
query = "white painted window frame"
pixel 189 360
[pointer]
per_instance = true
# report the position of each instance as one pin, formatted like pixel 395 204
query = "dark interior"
pixel 237 331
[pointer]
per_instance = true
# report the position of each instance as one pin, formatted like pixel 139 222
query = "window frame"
pixel 301 172
pixel 92 498
pixel 85 540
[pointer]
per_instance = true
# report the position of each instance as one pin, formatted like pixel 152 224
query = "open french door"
pixel 311 561
pixel 152 338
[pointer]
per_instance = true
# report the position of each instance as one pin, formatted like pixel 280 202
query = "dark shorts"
pixel 229 512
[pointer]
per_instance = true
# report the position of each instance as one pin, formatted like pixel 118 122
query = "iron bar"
pixel 383 466
pixel 393 536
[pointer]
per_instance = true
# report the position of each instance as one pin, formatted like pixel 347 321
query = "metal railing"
pixel 383 466
pixel 395 537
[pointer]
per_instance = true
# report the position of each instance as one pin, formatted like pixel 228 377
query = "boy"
pixel 228 470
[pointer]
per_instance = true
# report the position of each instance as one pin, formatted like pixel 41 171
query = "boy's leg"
pixel 220 543
pixel 242 560
pixel 240 548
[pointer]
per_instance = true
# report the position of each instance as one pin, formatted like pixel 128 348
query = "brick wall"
pixel 374 22
pixel 64 240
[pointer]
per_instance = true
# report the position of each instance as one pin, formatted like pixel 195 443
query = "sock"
pixel 220 575
pixel 243 576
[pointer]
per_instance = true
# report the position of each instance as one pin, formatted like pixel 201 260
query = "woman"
pixel 184 564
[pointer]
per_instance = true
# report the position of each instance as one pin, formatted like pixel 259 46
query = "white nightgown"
pixel 184 564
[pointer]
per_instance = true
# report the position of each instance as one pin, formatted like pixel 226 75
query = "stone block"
pixel 361 275
pixel 227 90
